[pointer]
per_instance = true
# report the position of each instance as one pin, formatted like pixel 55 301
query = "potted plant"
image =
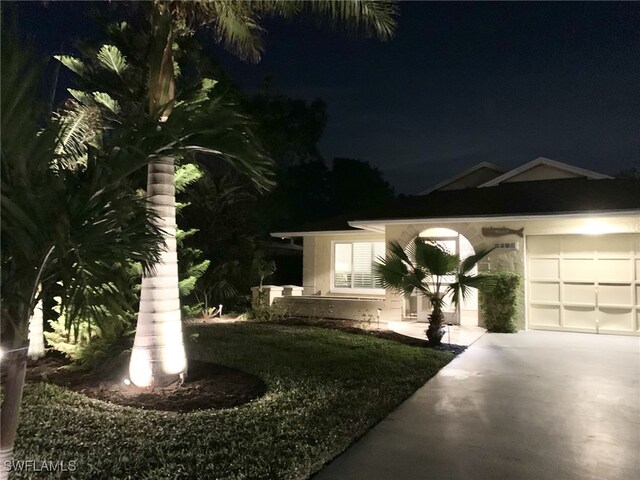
pixel 423 267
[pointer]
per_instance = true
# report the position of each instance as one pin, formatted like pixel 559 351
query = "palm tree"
pixel 423 269
pixel 158 354
pixel 59 223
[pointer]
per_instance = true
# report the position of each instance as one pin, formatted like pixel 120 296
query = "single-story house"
pixel 573 235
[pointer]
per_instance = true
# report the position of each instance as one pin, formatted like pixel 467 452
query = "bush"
pixel 499 303
pixel 87 347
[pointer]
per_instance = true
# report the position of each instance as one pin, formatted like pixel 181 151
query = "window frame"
pixel 332 273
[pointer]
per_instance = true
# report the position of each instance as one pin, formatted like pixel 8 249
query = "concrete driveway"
pixel 532 405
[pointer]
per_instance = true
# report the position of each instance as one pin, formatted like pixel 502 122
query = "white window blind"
pixel 353 264
pixel 378 254
pixel 342 265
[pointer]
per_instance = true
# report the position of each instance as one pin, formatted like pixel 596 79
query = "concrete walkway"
pixel 532 405
pixel 456 334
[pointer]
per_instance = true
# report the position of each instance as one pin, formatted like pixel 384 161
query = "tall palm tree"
pixel 59 223
pixel 158 354
pixel 423 268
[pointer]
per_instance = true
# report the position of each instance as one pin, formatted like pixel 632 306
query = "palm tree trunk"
pixel 16 367
pixel 36 333
pixel 158 356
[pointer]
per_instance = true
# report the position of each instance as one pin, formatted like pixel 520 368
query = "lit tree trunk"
pixel 36 333
pixel 14 384
pixel 14 366
pixel 158 356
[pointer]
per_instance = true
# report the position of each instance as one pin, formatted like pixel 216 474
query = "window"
pixel 353 265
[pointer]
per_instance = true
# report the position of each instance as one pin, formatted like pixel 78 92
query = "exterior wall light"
pixel 596 227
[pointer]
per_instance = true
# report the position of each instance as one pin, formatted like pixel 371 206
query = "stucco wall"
pixel 509 259
pixel 318 255
pixel 317 260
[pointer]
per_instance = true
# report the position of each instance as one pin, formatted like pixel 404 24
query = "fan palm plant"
pixel 423 268
pixel 59 223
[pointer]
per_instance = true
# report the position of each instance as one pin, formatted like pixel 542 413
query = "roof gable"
pixel 543 169
pixel 472 177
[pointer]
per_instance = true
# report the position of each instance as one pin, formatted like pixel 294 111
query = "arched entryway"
pixel 467 312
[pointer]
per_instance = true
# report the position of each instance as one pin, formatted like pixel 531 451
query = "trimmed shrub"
pixel 499 303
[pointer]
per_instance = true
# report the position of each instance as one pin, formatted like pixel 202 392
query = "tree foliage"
pixel 61 224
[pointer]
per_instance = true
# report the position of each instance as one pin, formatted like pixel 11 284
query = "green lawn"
pixel 326 388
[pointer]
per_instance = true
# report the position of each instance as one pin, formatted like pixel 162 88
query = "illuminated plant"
pixel 423 269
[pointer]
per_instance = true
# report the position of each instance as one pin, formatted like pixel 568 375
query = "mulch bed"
pixel 207 386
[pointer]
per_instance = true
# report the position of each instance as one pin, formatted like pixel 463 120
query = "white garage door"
pixel 583 283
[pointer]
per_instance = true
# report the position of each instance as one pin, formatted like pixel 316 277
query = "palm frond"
pixel 395 249
pixel 111 58
pixel 105 99
pixel 74 64
pixel 78 127
pixel 217 129
pixel 63 224
pixel 392 272
pixel 371 18
pixel 471 261
pixel 235 24
pixel 434 258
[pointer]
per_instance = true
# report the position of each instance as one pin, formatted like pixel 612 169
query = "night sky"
pixel 461 83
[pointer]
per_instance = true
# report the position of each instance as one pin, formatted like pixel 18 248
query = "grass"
pixel 326 388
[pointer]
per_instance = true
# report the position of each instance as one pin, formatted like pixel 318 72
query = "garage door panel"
pixel 584 283
pixel 615 270
pixel 579 247
pixel 544 246
pixel 615 246
pixel 579 317
pixel 545 292
pixel 584 293
pixel 579 270
pixel 545 269
pixel 615 295
pixel 616 319
pixel 545 315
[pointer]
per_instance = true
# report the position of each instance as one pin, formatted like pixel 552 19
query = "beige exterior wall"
pixel 318 259
pixel 509 259
pixel 317 262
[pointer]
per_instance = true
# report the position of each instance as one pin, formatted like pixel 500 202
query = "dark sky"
pixel 460 83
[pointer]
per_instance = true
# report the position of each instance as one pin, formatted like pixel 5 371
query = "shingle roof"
pixel 573 195
pixel 548 197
